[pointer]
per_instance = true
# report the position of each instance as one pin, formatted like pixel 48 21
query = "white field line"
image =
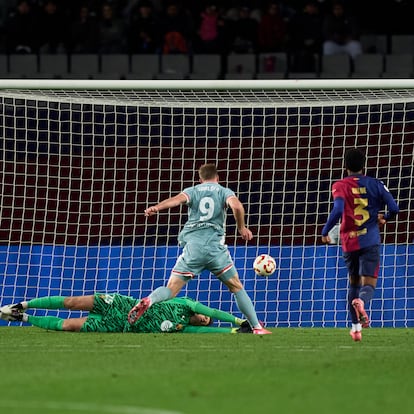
pixel 252 347
pixel 82 407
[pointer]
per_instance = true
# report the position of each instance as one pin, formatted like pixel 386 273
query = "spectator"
pixel 208 29
pixel 224 25
pixel 244 32
pixel 84 32
pixel 112 31
pixel 340 32
pixel 22 29
pixel 142 29
pixel 272 30
pixel 176 29
pixel 305 33
pixel 52 29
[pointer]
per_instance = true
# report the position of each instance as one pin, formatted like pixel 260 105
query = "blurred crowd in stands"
pixel 299 27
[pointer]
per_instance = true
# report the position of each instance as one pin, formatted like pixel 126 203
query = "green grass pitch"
pixel 294 370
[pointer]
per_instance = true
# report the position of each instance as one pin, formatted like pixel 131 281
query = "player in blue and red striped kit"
pixel 358 202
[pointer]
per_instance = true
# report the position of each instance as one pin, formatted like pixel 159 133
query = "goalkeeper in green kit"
pixel 108 312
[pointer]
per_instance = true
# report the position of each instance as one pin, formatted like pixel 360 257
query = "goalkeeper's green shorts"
pixel 109 313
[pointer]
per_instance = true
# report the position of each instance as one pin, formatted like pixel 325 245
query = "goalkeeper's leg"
pixel 52 302
pixel 45 322
pixel 54 323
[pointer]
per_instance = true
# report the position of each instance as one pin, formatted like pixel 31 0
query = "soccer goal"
pixel 81 160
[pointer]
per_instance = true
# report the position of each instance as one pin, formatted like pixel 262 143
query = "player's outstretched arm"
pixel 216 314
pixel 165 204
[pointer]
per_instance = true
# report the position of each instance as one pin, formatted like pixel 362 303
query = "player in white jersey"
pixel 203 242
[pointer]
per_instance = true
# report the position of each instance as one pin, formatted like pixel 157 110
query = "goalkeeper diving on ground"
pixel 108 312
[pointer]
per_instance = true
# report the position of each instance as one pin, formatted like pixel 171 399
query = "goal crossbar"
pixel 211 94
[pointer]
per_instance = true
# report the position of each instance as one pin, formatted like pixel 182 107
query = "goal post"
pixel 81 160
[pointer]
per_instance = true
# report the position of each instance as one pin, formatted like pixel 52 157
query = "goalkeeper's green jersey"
pixel 168 316
pixel 110 313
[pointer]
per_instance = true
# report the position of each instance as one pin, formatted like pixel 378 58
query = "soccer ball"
pixel 264 265
pixel 334 234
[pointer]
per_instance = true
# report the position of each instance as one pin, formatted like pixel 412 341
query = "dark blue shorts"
pixel 363 262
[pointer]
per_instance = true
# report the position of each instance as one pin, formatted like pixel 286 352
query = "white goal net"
pixel 80 161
